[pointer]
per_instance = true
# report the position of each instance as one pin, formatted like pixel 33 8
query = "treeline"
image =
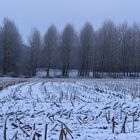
pixel 112 49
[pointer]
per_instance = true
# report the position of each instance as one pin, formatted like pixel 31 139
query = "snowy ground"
pixel 76 109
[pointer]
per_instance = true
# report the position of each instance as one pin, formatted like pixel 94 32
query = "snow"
pixel 56 73
pixel 83 108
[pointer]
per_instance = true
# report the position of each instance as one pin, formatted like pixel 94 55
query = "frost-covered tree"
pixel 1 53
pixel 50 44
pixel 34 51
pixel 86 49
pixel 11 48
pixel 112 50
pixel 109 47
pixel 67 44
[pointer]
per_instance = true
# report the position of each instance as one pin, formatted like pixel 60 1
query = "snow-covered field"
pixel 82 109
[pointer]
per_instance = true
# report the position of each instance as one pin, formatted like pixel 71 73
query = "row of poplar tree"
pixel 111 49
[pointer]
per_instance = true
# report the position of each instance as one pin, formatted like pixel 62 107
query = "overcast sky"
pixel 42 13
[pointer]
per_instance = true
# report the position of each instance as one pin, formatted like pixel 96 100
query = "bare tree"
pixel 1 51
pixel 35 45
pixel 108 46
pixel 11 47
pixel 50 44
pixel 67 44
pixel 86 44
pixel 133 50
pixel 110 51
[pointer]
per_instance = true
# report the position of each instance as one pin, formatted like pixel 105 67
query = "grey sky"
pixel 42 13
